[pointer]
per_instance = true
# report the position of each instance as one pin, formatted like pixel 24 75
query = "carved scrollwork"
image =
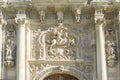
pixel 35 69
pixel 36 44
pixel 57 69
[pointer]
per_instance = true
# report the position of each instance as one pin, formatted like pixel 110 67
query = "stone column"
pixel 27 51
pixel 20 63
pixel 101 57
pixel 2 22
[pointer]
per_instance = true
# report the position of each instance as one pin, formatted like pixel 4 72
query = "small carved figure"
pixel 10 53
pixel 42 16
pixel 110 53
pixel 61 36
pixel 77 15
pixel 8 49
pixel 109 48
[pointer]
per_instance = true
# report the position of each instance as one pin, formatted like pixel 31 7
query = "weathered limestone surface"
pixel 59 39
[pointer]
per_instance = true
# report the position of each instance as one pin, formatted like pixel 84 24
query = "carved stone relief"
pixel 10 47
pixel 77 13
pixel 56 43
pixel 42 16
pixel 111 25
pixel 111 48
pixel 63 43
pixel 37 70
pixel 35 41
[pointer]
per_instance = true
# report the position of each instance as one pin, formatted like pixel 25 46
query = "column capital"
pixel 20 19
pixel 2 22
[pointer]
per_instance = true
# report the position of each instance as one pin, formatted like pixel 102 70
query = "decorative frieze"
pixel 36 69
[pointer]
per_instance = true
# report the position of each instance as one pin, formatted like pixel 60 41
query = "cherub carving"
pixel 10 48
pixel 62 35
pixel 10 53
pixel 77 13
pixel 109 48
pixel 42 16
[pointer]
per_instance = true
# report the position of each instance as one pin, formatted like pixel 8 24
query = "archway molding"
pixel 60 70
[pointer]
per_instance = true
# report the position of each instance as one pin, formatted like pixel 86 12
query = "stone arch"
pixel 60 70
pixel 60 77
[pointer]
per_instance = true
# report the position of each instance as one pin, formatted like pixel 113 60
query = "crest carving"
pixel 57 44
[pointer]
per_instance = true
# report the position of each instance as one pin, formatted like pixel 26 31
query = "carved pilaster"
pixel 111 33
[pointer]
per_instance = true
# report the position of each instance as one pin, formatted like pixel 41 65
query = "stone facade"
pixel 59 39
